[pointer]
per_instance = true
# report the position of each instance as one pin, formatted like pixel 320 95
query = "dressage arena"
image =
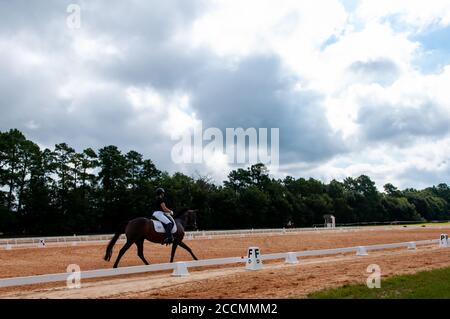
pixel 276 279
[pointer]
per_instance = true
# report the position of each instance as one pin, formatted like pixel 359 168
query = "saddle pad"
pixel 159 228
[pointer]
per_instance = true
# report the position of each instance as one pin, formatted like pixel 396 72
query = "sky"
pixel 355 87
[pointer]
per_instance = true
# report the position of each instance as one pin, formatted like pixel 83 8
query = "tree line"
pixel 61 191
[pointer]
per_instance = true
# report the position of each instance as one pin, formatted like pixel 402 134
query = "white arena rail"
pixel 33 242
pixel 356 249
pixel 180 268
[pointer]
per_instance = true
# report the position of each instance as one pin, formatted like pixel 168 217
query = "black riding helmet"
pixel 160 191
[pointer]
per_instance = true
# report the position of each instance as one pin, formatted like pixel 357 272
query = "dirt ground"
pixel 276 280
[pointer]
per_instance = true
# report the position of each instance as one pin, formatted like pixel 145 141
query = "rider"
pixel 163 214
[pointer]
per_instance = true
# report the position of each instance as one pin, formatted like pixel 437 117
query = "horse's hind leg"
pixel 122 251
pixel 188 249
pixel 140 250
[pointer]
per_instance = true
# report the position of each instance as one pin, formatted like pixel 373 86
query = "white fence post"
pixel 291 258
pixel 180 269
pixel 362 251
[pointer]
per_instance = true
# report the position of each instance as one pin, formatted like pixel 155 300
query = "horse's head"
pixel 188 218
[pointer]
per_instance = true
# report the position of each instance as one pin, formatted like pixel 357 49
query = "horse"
pixel 140 229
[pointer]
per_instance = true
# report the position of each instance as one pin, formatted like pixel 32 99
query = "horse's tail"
pixel 113 241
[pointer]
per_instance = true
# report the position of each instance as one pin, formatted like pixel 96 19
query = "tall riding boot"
pixel 169 237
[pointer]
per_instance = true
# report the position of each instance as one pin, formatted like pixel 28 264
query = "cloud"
pixel 412 14
pixel 387 122
pixel 381 71
pixel 257 93
pixel 347 86
pixel 415 106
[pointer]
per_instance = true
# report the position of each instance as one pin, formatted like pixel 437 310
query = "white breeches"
pixel 162 217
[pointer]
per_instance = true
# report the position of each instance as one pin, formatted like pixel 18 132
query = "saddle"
pixel 159 228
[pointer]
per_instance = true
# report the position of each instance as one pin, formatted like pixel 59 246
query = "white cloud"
pixel 169 113
pixel 89 48
pixel 292 29
pixel 387 164
pixel 137 80
pixel 417 14
pixel 19 57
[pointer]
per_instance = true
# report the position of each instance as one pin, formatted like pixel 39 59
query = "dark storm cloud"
pixel 399 124
pixel 254 92
pixel 150 20
pixel 164 66
pixel 36 16
pixel 30 94
pixel 143 32
pixel 257 93
pixel 95 120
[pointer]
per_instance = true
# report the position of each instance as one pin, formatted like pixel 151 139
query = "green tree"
pixel 113 177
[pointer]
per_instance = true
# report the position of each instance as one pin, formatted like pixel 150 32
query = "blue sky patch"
pixel 436 49
pixel 350 5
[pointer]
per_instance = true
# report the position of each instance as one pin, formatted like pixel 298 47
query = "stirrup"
pixel 168 240
pixel 169 237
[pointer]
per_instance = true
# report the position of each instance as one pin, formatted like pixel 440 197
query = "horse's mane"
pixel 180 213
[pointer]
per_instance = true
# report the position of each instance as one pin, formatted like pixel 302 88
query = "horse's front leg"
pixel 174 248
pixel 188 249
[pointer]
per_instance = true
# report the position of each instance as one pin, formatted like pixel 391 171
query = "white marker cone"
pixel 291 258
pixel 254 261
pixel 361 251
pixel 180 269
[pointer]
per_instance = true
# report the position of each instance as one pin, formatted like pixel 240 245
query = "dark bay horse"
pixel 140 229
